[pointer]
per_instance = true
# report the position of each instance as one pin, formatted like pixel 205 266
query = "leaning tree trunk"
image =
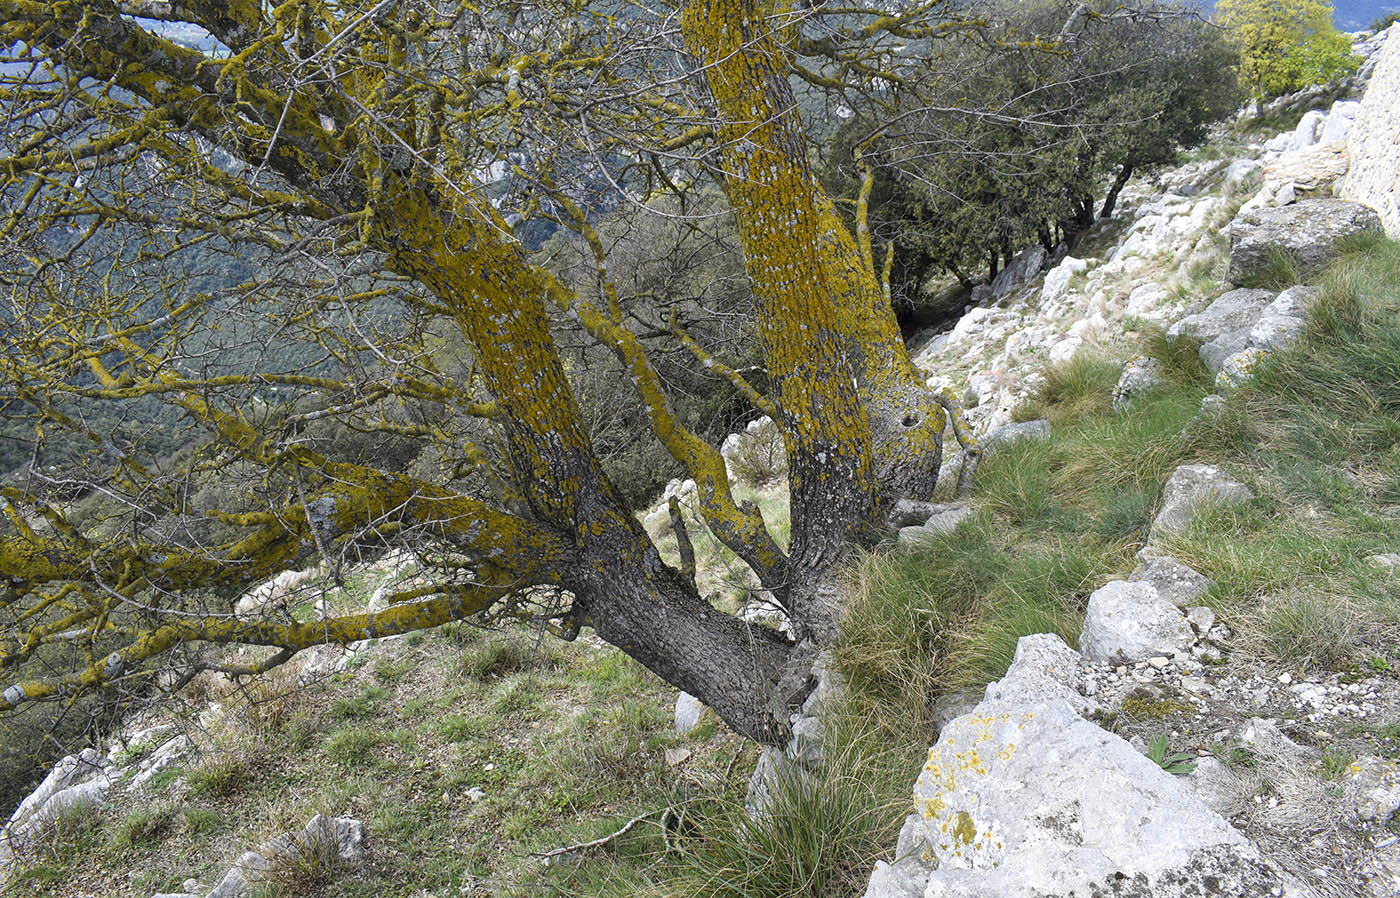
pixel 1119 182
pixel 619 583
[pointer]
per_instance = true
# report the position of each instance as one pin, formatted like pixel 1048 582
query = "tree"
pixel 374 164
pixel 1000 143
pixel 1285 46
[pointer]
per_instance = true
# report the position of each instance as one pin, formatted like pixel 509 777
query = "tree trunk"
pixel 1119 182
pixel 860 427
pixel 957 272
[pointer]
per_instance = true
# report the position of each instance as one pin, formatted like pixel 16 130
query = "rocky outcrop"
pixel 324 841
pixel 1374 178
pixel 1309 232
pixel 77 784
pixel 1024 798
pixel 1232 312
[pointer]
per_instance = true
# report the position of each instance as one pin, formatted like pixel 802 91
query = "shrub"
pixel 1285 47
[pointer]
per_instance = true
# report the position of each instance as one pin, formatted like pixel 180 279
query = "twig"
pixel 598 843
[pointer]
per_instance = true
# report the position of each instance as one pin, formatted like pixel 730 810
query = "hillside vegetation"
pixel 473 757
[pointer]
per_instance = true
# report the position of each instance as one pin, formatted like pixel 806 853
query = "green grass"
pixel 1317 433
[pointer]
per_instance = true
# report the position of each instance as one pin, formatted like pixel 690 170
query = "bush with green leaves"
pixel 1030 135
pixel 1285 47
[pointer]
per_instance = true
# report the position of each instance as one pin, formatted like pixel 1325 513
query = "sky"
pixel 1353 15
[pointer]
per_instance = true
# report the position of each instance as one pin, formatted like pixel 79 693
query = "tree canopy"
pixel 1031 133
pixel 297 228
pixel 1285 46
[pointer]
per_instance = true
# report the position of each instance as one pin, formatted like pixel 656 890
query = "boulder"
pixel 1227 313
pixel 1009 433
pixel 1215 353
pixel 1129 621
pixel 1309 129
pixel 1191 488
pixel 1023 266
pixel 1174 581
pixel 1309 231
pixel 1140 374
pixel 1044 669
pixel 1057 280
pixel 1033 801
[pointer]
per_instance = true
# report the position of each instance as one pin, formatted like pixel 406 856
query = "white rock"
pixel 1240 368
pixel 1230 311
pixel 688 712
pixel 1131 621
pixel 1065 349
pixel 1191 488
pixel 1019 801
pixel 1177 583
pixel 1056 282
pixel 161 759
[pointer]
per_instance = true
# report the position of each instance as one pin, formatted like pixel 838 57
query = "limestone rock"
pixel 1009 433
pixel 1374 176
pixel 274 593
pixel 1218 351
pixel 805 746
pixel 1295 302
pixel 1140 374
pixel 1023 266
pixel 910 513
pixel 1309 128
pixel 250 868
pixel 1027 801
pixel 1373 786
pixel 1201 618
pixel 1232 311
pixel 1309 172
pixel 1175 582
pixel 1240 368
pixel 1189 489
pixel 1056 282
pixel 76 783
pixel 688 712
pixel 942 521
pixel 1043 669
pixel 161 759
pixel 772 767
pixel 1238 171
pixel 1309 231
pixel 1130 621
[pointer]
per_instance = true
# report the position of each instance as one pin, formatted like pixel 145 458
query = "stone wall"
pixel 1374 141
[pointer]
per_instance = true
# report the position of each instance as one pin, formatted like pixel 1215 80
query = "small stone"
pixel 689 710
pixel 1159 661
pixel 1285 678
